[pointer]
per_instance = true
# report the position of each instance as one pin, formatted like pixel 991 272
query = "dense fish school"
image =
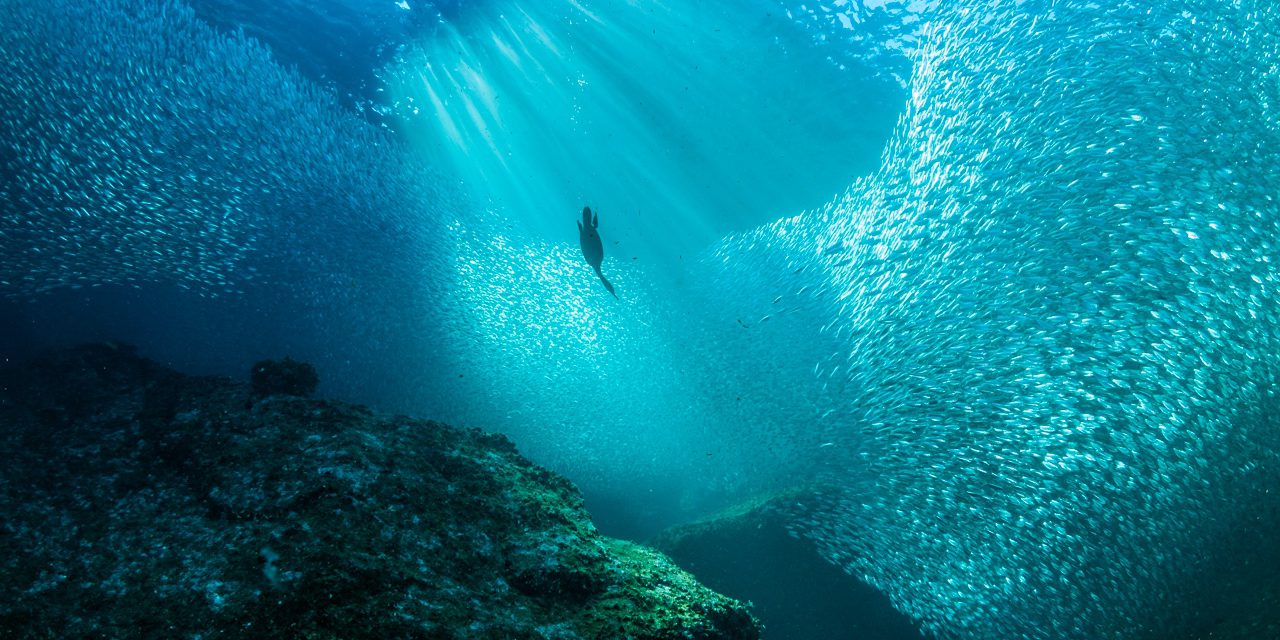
pixel 1056 305
pixel 1033 358
pixel 137 144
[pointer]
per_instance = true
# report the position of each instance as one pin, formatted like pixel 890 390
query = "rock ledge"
pixel 142 503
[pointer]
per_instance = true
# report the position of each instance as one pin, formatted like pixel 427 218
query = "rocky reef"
pixel 142 503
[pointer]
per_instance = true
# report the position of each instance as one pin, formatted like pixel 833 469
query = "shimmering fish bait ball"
pixel 1056 304
pixel 140 145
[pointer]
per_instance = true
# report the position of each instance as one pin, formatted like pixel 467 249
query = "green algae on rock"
pixel 142 503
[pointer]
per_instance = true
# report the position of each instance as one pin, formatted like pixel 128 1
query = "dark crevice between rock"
pixel 747 553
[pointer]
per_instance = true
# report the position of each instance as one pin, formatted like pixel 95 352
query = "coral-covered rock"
pixel 139 502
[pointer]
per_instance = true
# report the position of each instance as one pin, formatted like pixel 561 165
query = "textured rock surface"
pixel 746 552
pixel 142 503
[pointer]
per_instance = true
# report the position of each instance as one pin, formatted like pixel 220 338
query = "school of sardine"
pixel 1032 359
pixel 1056 306
pixel 138 144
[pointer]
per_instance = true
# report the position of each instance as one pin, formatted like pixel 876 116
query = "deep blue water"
pixel 998 277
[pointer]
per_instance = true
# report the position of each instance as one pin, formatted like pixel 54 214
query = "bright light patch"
pixel 678 126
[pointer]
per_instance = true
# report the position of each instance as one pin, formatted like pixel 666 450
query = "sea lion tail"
pixel 607 285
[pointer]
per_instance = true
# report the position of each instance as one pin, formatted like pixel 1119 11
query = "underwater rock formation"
pixel 288 377
pixel 140 502
pixel 746 552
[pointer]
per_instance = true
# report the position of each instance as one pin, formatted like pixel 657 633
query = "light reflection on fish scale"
pixel 1057 305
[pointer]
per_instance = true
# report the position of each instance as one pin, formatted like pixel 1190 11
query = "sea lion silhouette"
pixel 592 247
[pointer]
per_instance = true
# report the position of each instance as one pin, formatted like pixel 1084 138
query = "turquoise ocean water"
pixel 996 280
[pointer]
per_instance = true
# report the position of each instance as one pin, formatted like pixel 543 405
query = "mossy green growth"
pixel 179 507
pixel 654 599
